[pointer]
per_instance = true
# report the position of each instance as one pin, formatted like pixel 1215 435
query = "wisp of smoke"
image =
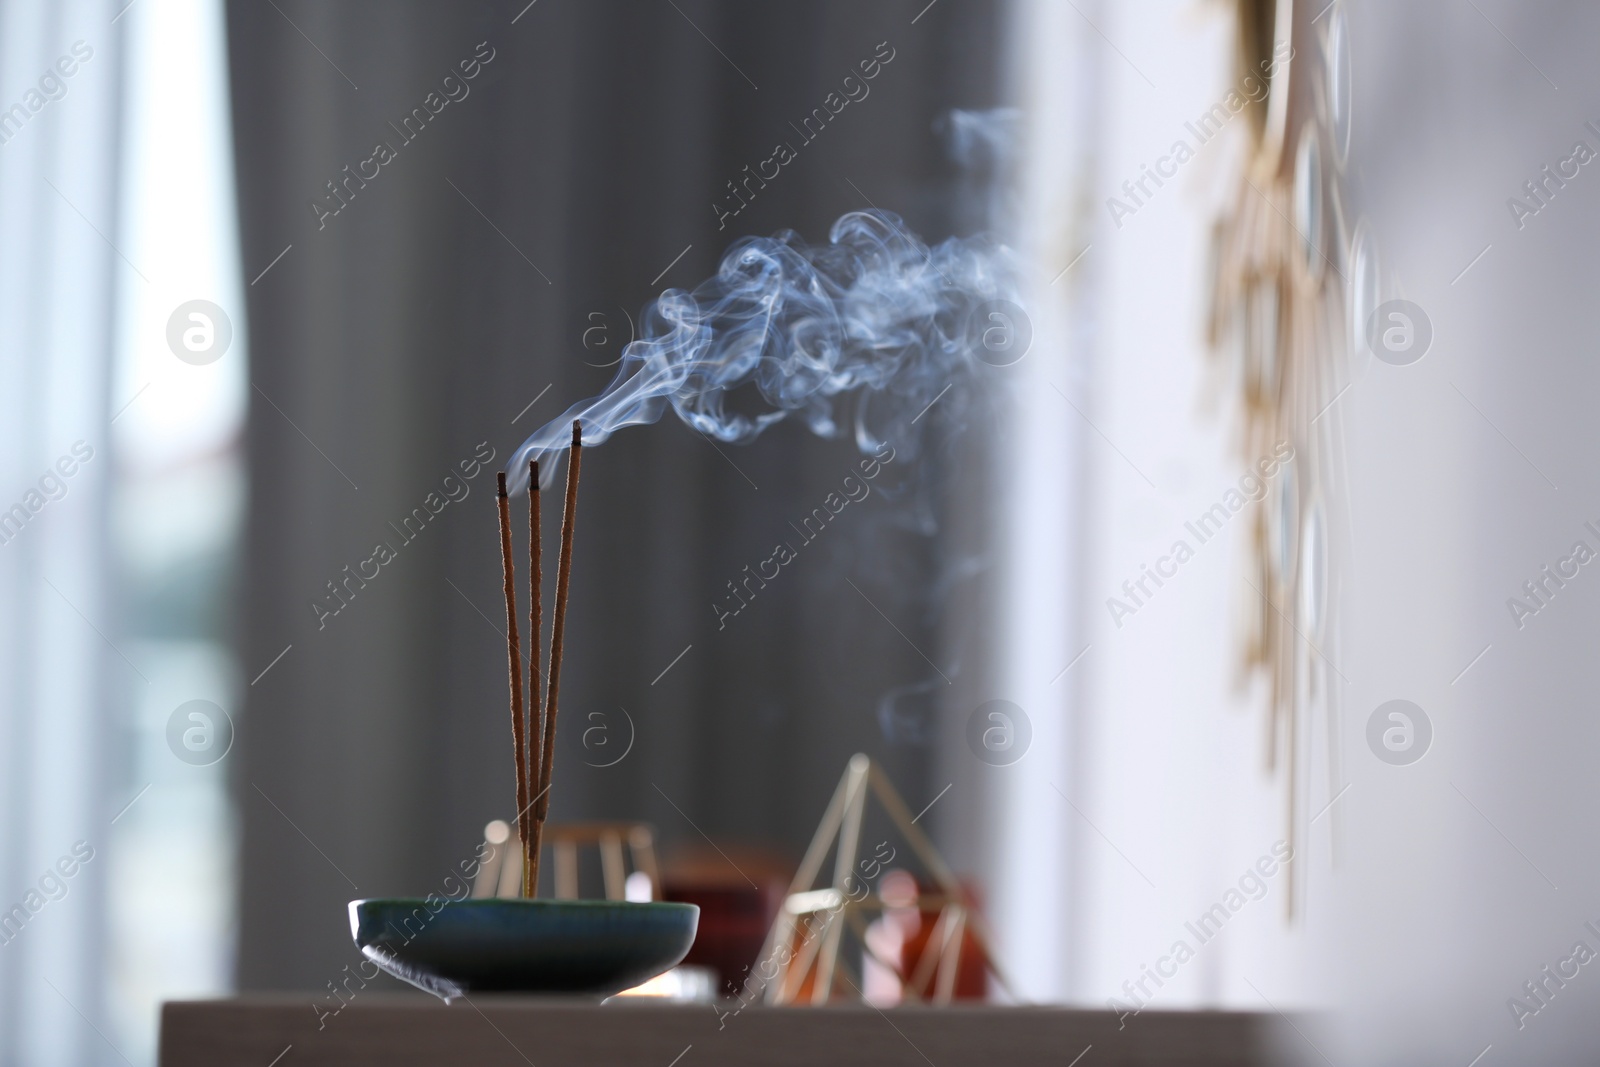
pixel 875 316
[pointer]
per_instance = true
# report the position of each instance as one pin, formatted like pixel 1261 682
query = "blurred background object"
pixel 613 847
pixel 736 910
pixel 868 918
pixel 911 941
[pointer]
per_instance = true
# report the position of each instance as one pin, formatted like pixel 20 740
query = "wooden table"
pixel 397 1030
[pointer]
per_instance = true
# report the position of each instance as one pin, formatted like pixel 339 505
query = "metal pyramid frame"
pixel 820 916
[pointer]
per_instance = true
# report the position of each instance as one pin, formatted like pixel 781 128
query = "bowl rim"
pixel 667 905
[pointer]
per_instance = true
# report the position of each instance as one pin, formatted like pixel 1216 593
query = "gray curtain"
pixel 496 258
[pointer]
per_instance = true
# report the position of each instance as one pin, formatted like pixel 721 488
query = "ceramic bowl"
pixel 573 947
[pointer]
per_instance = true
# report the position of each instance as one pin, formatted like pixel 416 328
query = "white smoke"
pixel 875 316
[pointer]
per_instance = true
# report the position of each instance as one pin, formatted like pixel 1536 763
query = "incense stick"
pixel 559 627
pixel 532 768
pixel 514 652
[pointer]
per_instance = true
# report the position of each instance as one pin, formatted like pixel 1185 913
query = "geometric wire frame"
pixel 819 917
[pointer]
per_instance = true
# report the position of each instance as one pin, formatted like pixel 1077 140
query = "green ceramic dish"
pixel 574 947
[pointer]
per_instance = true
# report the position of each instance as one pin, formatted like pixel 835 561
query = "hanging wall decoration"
pixel 1289 282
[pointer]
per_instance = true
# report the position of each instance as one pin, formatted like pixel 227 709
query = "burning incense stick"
pixel 559 627
pixel 514 651
pixel 530 767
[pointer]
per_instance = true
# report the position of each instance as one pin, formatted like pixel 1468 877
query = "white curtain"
pixel 120 491
pixel 61 675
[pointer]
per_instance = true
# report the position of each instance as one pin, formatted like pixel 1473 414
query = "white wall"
pixel 1163 801
pixel 1459 877
pixel 1451 899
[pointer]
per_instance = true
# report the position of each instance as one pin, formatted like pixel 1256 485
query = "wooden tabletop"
pixel 490 1031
